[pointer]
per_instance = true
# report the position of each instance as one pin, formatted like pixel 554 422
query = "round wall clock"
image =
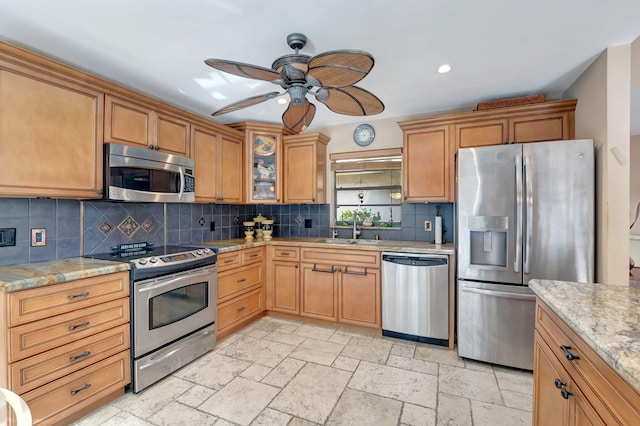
pixel 364 135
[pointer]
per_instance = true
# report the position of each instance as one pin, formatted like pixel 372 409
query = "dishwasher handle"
pixel 419 261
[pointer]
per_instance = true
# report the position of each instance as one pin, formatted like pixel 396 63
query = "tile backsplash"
pixel 76 228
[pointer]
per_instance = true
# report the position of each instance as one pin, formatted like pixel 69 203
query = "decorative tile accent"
pixel 299 220
pixel 202 221
pixel 129 226
pixel 106 227
pixel 148 225
pixel 236 220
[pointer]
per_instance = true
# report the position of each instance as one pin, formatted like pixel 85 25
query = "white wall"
pixel 603 93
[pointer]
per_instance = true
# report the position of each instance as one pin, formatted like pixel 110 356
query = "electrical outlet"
pixel 38 237
pixel 212 226
pixel 308 223
pixel 427 226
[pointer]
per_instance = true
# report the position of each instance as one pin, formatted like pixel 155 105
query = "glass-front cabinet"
pixel 263 167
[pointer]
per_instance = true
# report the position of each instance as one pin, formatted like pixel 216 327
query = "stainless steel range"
pixel 173 307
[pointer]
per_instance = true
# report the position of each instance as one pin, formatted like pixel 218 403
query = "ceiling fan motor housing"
pixel 297 94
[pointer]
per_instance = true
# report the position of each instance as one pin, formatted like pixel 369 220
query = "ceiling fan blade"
pixel 351 100
pixel 340 68
pixel 298 118
pixel 244 70
pixel 247 103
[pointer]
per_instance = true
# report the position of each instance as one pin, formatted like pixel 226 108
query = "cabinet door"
pixel 549 407
pixel 426 159
pixel 286 284
pixel 359 296
pixel 264 168
pixel 172 134
pixel 542 127
pixel 128 123
pixel 204 148
pixel 318 291
pixel 481 133
pixel 300 173
pixel 229 167
pixel 48 127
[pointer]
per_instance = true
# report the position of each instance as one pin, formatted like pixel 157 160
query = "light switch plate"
pixel 38 237
pixel 427 226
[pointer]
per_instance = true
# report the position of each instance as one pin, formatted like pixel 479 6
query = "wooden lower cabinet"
pixel 572 384
pixel 241 289
pixel 67 346
pixel 319 295
pixel 341 285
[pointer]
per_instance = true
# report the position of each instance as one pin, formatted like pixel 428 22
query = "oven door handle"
pixel 170 282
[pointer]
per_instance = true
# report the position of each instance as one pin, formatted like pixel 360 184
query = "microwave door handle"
pixel 518 226
pixel 529 214
pixel 181 183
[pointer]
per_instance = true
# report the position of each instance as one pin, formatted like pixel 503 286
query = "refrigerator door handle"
pixel 505 295
pixel 529 216
pixel 518 259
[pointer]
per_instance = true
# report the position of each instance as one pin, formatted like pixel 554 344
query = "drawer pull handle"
pixel 568 353
pixel 559 383
pixel 565 393
pixel 83 294
pixel 228 261
pixel 241 280
pixel 75 392
pixel 346 271
pixel 254 255
pixel 329 271
pixel 242 308
pixel 82 355
pixel 284 253
pixel 82 324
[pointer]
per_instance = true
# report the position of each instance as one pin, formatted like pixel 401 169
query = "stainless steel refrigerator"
pixel 524 211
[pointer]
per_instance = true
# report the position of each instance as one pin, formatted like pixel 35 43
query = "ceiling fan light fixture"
pixel 297 94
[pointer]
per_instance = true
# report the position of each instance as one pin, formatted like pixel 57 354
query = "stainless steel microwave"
pixel 142 175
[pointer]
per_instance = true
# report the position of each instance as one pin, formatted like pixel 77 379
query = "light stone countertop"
pixel 373 245
pixel 606 317
pixel 29 275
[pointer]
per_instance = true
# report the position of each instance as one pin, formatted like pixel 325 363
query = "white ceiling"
pixel 498 48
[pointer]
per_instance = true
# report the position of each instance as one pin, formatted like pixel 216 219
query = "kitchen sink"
pixel 339 241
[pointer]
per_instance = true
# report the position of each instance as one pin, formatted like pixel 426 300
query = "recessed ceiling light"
pixel 444 68
pixel 282 101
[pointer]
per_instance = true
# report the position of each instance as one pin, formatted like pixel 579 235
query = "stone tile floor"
pixel 282 372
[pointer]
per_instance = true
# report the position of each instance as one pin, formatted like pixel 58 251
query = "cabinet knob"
pixel 296 266
pixel 157 147
pixel 565 393
pixel 559 383
pixel 150 146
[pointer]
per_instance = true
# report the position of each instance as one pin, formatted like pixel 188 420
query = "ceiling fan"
pixel 329 77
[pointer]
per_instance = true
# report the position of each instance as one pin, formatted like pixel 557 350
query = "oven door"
pixel 170 307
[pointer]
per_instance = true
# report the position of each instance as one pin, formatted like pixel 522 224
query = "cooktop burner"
pixel 148 261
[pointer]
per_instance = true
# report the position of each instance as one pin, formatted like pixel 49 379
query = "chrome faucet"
pixel 356 231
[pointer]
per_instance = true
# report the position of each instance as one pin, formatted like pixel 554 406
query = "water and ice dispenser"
pixel 488 236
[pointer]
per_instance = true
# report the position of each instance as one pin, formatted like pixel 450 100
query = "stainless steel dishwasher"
pixel 415 297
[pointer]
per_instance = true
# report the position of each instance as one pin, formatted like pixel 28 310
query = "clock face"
pixel 364 135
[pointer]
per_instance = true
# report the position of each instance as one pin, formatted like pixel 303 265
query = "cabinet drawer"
pixel 57 400
pixel 237 309
pixel 340 257
pixel 235 281
pixel 229 260
pixel 286 253
pixel 252 255
pixel 46 367
pixel 35 337
pixel 43 302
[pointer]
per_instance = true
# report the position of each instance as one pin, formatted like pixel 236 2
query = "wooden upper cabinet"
pixel 218 164
pixel 489 132
pixel 48 126
pixel 426 162
pixel 543 127
pixel 136 124
pixel 262 162
pixel 305 168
